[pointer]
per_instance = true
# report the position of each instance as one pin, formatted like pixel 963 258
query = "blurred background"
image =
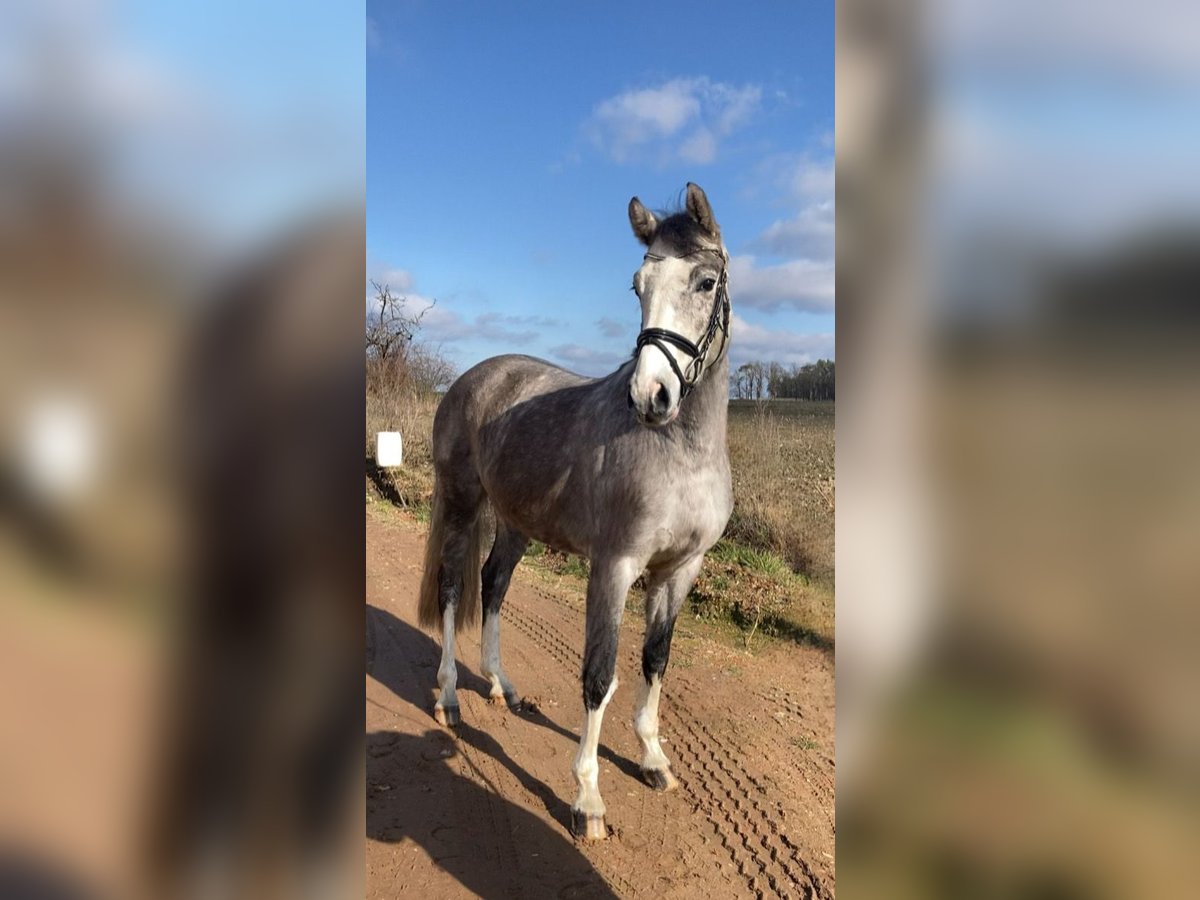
pixel 181 267
pixel 1018 551
pixel 181 262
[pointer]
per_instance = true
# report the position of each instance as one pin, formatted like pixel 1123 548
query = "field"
pixel 781 454
pixel 773 572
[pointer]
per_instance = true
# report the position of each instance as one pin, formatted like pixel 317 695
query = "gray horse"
pixel 630 471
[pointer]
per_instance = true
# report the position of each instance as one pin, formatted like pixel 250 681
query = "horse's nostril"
pixel 662 399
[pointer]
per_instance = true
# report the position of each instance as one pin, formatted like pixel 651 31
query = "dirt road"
pixel 485 810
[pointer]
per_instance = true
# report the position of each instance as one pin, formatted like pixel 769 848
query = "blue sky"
pixel 505 140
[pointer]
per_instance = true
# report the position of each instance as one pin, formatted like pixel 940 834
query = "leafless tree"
pixel 396 359
pixel 391 326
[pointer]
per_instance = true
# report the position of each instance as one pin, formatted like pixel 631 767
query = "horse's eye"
pixel 707 285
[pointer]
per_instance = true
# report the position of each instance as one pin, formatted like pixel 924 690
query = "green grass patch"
pixel 751 558
pixel 757 591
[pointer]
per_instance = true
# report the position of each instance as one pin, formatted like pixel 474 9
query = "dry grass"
pixel 409 411
pixel 781 454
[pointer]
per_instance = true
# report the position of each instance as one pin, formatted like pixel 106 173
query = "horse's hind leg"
pixel 497 572
pixel 460 525
pixel 445 710
pixel 664 596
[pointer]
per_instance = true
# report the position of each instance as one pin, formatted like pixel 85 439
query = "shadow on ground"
pixel 417 792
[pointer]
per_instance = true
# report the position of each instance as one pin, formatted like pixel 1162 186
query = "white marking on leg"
pixel 447 671
pixel 489 653
pixel 645 723
pixel 587 767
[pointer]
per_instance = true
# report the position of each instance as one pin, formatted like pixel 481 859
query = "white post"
pixel 389 449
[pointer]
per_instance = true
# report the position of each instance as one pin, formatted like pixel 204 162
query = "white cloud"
pixel 753 342
pixel 412 301
pixel 684 118
pixel 588 360
pixel 800 284
pixel 399 281
pixel 700 148
pixel 809 180
pixel 635 115
pixel 441 325
pixel 803 240
pixel 611 328
pixel 736 105
pixel 807 235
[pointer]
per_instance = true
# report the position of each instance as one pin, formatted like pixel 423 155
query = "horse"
pixel 630 471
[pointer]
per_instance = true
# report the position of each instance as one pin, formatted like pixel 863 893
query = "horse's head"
pixel 682 286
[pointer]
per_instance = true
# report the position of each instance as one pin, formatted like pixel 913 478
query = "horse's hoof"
pixel 446 715
pixel 589 828
pixel 512 701
pixel 660 779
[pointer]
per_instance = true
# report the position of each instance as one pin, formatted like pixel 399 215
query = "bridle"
pixel 689 376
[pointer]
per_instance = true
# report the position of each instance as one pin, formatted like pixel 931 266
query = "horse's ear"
pixel 643 222
pixel 700 211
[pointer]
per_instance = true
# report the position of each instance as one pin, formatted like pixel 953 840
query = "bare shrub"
pixel 405 378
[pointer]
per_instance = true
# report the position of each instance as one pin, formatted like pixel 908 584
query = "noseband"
pixel 690 375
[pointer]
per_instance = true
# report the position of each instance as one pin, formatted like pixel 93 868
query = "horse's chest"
pixel 692 509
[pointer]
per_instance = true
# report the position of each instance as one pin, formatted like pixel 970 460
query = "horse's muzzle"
pixel 656 410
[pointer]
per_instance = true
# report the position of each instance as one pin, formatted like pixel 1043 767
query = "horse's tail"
pixel 428 613
pixel 471 600
pixel 428 609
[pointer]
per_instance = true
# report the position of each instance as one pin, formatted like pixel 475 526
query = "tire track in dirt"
pixel 818 773
pixel 775 842
pixel 748 820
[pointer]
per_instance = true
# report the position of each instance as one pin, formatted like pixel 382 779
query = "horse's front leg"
pixel 609 583
pixel 664 597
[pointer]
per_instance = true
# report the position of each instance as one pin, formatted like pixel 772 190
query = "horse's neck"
pixel 706 409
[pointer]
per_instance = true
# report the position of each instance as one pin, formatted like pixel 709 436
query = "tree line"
pixel 758 381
